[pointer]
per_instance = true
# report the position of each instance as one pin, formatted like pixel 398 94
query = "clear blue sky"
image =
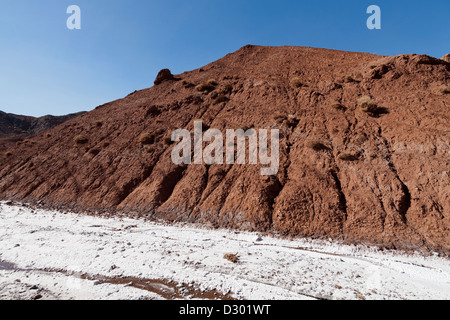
pixel 47 69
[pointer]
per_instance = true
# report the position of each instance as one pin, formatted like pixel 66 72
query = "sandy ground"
pixel 55 255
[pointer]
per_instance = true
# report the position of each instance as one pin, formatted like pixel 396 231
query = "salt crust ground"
pixel 37 241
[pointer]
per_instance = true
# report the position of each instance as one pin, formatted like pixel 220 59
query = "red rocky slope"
pixel 364 174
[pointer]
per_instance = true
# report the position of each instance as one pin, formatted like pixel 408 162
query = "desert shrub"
pixel 228 89
pixel 205 127
pixel 18 143
pixel 146 138
pixel 167 140
pixel 80 139
pixel 361 139
pixel 153 111
pixel 444 89
pixel 8 154
pixel 337 106
pixel 346 156
pixel 204 87
pixel 348 79
pixel 48 135
pixel 160 132
pixel 212 82
pixel 367 104
pixel 280 117
pixel 232 257
pixel 220 98
pixel 292 121
pixel 187 84
pixel 99 124
pixel 316 145
pixel 244 127
pixel 296 83
pixel 94 151
pixel 106 144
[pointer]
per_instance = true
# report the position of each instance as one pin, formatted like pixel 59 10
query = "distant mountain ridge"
pixel 12 124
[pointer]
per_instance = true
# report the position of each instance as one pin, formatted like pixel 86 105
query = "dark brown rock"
pixel 163 75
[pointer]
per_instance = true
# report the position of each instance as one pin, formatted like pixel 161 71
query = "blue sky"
pixel 47 69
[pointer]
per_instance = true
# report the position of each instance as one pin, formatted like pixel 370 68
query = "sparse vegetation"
pixel 292 121
pixel 228 89
pixel 220 98
pixel 205 127
pixel 244 127
pixel 187 84
pixel 205 87
pixel 153 111
pixel 280 117
pixel 296 83
pixel 146 139
pixel 367 104
pixel 212 82
pixel 80 139
pixel 94 151
pixel 346 156
pixel 337 106
pixel 167 140
pixel 232 257
pixel 349 79
pixel 105 144
pixel 316 145
pixel 8 154
pixel 444 89
pixel 99 124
